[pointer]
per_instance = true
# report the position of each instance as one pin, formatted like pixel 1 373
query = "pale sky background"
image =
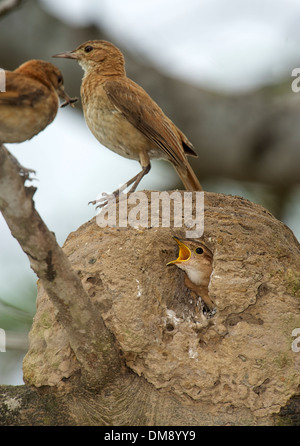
pixel 229 45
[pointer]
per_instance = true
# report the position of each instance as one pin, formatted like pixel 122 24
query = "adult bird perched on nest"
pixel 124 118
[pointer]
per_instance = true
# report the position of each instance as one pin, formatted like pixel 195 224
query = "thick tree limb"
pixel 133 403
pixel 91 342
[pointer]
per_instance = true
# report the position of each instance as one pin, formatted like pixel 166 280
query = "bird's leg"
pixel 116 194
pixel 138 178
pixel 135 181
pixel 146 166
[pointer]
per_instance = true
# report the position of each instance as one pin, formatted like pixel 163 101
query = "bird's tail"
pixel 188 177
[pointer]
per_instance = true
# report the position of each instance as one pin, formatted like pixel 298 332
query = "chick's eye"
pixel 199 250
pixel 88 48
pixel 60 80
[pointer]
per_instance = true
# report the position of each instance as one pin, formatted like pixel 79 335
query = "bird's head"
pixel 48 74
pixel 98 55
pixel 195 259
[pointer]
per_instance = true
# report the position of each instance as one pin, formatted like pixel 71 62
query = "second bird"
pixel 124 118
pixel 30 100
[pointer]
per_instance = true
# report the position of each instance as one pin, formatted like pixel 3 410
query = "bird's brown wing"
pixel 19 92
pixel 14 98
pixel 187 145
pixel 143 113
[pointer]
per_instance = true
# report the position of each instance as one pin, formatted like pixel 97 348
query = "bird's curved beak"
pixel 184 253
pixel 67 55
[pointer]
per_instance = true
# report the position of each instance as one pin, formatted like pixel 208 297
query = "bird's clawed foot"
pixel 114 197
pixel 24 172
pixel 105 199
pixel 117 194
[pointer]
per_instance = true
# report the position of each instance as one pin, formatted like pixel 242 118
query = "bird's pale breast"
pixel 111 128
pixel 196 275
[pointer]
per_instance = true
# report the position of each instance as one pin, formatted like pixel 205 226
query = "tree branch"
pixel 92 343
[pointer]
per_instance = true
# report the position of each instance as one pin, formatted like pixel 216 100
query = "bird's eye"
pixel 88 48
pixel 59 80
pixel 199 250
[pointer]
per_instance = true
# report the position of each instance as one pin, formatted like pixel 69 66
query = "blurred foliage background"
pixel 220 69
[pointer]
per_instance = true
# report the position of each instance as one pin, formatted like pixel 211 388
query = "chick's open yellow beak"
pixel 184 253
